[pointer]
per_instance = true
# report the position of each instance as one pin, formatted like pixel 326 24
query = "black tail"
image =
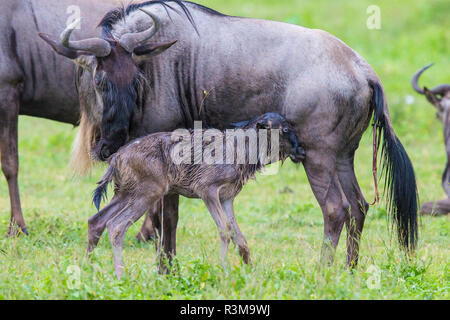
pixel 101 191
pixel 398 172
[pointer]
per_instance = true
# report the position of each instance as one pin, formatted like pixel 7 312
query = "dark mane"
pixel 206 9
pixel 119 13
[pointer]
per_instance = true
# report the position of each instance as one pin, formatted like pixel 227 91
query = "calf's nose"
pixel 300 152
pixel 104 154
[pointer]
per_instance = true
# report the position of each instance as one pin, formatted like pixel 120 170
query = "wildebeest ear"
pixel 151 49
pixel 431 97
pixel 82 58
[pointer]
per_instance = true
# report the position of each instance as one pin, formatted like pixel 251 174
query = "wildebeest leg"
pixel 119 224
pixel 236 234
pixel 358 208
pixel 169 233
pixel 441 207
pixel 328 191
pixel 97 223
pixel 212 202
pixel 436 208
pixel 147 232
pixel 9 113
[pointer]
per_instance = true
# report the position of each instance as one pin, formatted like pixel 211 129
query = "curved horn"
pixel 415 79
pixel 99 47
pixel 129 41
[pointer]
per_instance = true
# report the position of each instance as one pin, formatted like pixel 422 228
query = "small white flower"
pixel 409 99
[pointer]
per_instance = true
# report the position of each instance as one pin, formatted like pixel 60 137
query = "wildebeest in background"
pixel 34 80
pixel 225 69
pixel 144 171
pixel 439 97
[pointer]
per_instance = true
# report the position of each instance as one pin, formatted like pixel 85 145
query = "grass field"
pixel 278 214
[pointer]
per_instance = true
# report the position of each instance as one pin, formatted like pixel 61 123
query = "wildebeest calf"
pixel 148 168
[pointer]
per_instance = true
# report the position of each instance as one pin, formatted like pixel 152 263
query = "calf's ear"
pixel 239 124
pixel 431 97
pixel 146 51
pixel 263 124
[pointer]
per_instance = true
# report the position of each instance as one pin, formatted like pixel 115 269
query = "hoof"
pixel 145 238
pixel 25 231
pixel 15 231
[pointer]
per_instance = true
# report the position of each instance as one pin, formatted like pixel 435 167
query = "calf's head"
pixel 114 75
pixel 289 145
pixel 439 96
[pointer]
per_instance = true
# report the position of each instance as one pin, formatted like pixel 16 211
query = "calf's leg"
pixel 170 222
pixel 236 234
pixel 9 114
pixel 119 224
pixel 212 202
pixel 147 232
pixel 97 223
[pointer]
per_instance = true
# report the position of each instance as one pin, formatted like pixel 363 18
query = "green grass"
pixel 284 230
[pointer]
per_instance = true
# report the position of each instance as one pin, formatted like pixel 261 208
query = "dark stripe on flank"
pixel 33 73
pixel 34 16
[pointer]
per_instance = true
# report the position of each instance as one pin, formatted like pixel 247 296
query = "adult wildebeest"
pixel 224 69
pixel 439 97
pixel 148 168
pixel 34 80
